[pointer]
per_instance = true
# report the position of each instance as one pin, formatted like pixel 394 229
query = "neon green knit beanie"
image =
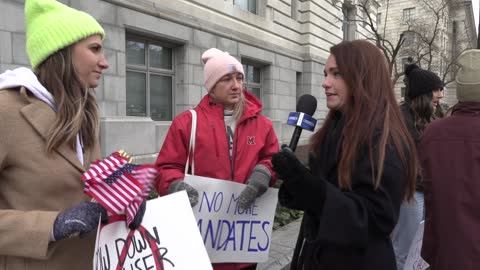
pixel 52 26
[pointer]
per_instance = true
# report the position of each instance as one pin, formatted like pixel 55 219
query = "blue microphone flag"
pixel 303 120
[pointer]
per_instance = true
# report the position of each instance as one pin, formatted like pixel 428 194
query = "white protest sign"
pixel 414 259
pixel 232 234
pixel 167 239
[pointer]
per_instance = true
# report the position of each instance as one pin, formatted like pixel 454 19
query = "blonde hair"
pixel 77 109
pixel 239 107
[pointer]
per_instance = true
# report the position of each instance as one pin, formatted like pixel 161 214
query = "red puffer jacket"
pixel 254 142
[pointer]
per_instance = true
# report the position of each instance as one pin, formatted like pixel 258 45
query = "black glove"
pixel 137 220
pixel 287 166
pixel 286 199
pixel 80 219
pixel 257 184
pixel 299 186
pixel 179 185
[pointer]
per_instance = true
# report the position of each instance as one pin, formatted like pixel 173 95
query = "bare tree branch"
pixel 426 47
pixel 388 48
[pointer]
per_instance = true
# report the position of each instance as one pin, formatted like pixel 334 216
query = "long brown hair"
pixel 77 109
pixel 370 109
pixel 423 111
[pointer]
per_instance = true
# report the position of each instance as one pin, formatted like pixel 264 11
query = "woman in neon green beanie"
pixel 48 137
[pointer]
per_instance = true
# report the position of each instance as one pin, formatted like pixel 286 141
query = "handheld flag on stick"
pixel 119 185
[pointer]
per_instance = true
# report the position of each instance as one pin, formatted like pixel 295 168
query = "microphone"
pixel 302 118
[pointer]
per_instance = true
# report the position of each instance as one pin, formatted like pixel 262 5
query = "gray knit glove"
pixel 257 184
pixel 179 185
pixel 80 219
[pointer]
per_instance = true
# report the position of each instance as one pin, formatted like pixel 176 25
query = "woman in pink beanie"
pixel 233 140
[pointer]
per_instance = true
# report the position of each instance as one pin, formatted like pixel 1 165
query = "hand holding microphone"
pixel 290 169
pixel 285 163
pixel 299 184
pixel 302 118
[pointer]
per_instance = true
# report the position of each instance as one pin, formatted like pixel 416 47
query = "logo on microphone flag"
pixel 302 120
pixel 118 185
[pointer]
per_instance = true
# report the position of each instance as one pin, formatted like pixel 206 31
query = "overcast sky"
pixel 475 12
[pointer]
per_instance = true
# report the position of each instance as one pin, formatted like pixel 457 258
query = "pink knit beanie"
pixel 217 65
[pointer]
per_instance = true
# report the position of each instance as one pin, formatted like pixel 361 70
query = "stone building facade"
pixel 154 50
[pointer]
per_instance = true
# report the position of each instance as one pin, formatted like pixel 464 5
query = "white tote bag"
pixel 414 258
pixel 230 234
pixel 191 147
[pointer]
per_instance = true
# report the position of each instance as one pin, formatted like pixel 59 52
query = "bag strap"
pixel 191 147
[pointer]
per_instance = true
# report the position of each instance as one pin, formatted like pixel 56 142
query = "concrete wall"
pixel 289 39
pixel 464 36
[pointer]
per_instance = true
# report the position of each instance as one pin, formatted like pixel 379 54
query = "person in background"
pixel 450 157
pixel 234 141
pixel 48 137
pixel 359 171
pixel 423 93
pixel 437 94
pixel 439 108
pixel 447 110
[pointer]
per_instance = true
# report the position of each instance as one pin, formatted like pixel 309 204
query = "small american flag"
pixel 118 185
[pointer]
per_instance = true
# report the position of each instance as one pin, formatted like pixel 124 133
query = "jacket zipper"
pixel 228 150
pixel 215 138
pixel 234 148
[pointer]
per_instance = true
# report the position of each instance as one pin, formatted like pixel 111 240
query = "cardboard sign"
pixel 414 259
pixel 232 234
pixel 167 239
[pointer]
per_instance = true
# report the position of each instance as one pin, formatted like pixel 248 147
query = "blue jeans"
pixel 411 214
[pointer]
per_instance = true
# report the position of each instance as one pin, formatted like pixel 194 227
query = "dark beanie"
pixel 420 81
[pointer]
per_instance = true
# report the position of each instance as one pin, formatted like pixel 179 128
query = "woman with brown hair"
pixel 423 94
pixel 48 137
pixel 362 165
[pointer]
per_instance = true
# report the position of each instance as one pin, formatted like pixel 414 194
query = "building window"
pixel 409 38
pixel 348 22
pixel 402 92
pixel 408 14
pixel 247 5
pixel 252 79
pixel 379 19
pixel 150 77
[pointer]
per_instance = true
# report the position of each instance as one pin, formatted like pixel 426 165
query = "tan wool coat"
pixel 35 187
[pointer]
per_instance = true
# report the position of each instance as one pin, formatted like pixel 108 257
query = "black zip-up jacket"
pixel 347 230
pixel 409 118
